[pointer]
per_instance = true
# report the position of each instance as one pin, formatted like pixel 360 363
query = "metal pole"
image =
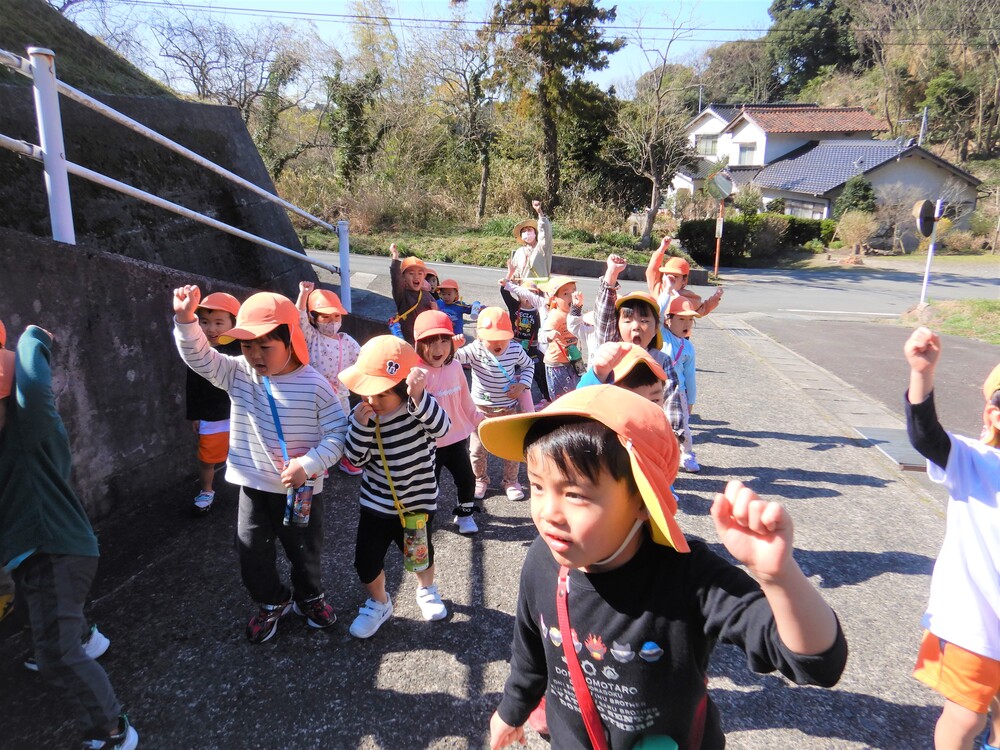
pixel 345 264
pixel 50 133
pixel 718 241
pixel 923 128
pixel 930 253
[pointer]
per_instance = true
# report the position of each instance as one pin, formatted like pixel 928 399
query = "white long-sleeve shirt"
pixel 312 421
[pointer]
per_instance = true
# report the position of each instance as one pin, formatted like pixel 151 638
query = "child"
pixel 431 284
pixel 526 307
pixel 408 291
pixel 582 325
pixel 450 303
pixel 960 653
pixel 670 280
pixel 446 382
pixel 48 543
pixel 562 354
pixel 533 259
pixel 392 436
pixel 207 406
pixel 677 346
pixel 330 351
pixel 635 319
pixel 599 588
pixel 281 408
pixel 501 374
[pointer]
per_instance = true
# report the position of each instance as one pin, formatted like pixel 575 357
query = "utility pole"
pixel 923 128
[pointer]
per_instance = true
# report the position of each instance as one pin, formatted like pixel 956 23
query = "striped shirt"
pixel 492 376
pixel 408 437
pixel 312 420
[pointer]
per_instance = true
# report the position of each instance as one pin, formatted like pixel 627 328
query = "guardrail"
pixel 40 68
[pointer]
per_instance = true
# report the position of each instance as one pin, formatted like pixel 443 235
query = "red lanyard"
pixel 591 719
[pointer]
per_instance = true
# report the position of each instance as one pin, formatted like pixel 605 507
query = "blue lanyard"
pixel 503 369
pixel 274 413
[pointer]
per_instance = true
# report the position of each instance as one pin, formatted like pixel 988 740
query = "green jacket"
pixel 38 508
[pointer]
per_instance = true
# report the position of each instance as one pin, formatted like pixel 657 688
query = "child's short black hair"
pixel 583 445
pixel 995 399
pixel 421 347
pixel 206 310
pixel 280 333
pixel 639 376
pixel 638 306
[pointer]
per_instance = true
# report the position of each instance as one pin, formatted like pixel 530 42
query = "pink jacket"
pixel 451 390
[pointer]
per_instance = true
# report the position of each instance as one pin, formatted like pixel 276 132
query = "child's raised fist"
pixel 606 357
pixel 186 301
pixel 394 251
pixel 922 349
pixel 306 287
pixel 756 532
pixel 415 383
pixel 616 263
pixel 577 299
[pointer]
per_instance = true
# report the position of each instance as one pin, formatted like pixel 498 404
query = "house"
pixel 805 153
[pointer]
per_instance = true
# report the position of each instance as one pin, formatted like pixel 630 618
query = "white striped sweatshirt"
pixel 492 376
pixel 409 436
pixel 312 421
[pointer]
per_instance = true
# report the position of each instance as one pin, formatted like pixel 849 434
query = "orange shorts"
pixel 213 449
pixel 965 678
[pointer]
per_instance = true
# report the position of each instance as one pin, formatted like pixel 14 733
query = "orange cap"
pixel 641 427
pixel 432 323
pixel 448 284
pixel 261 314
pixel 221 301
pixel 382 362
pixel 678 266
pixel 650 300
pixel 6 372
pixel 683 307
pixel 3 335
pixel 324 302
pixel 633 355
pixel 990 386
pixel 493 324
pixel 413 262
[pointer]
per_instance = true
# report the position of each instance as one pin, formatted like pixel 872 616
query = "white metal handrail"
pixel 65 233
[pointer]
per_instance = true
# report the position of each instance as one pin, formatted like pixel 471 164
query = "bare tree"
pixel 651 125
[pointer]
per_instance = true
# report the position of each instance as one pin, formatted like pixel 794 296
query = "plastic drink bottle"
pixel 299 504
pixel 416 550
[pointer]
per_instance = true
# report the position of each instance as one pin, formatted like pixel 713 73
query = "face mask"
pixel 329 329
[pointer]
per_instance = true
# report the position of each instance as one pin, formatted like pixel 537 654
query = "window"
pixel 748 153
pixel 706 145
pixel 805 209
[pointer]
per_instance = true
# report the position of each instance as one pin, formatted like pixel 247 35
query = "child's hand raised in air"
pixel 186 301
pixel 394 251
pixel 459 339
pixel 606 357
pixel 537 205
pixel 616 264
pixel 922 349
pixel 576 299
pixel 306 287
pixel 415 383
pixel 756 532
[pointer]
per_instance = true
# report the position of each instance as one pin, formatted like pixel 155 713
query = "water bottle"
pixel 477 306
pixel 416 549
pixel 396 328
pixel 299 504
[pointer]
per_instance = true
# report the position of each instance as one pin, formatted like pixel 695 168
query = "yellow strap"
pixel 388 476
pixel 420 296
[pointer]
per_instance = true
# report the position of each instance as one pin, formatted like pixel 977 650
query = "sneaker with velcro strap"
pixel 264 624
pixel 95 643
pixel 317 612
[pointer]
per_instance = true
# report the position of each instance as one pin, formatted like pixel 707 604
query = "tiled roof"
pixel 743 174
pixel 703 168
pixel 821 166
pixel 813 119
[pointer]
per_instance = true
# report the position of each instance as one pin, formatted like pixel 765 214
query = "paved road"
pixel 170 599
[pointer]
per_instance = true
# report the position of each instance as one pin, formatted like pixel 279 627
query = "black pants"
pixel 539 374
pixel 455 458
pixel 375 533
pixel 259 527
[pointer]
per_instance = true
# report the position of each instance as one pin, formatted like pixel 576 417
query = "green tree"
pixel 739 71
pixel 562 40
pixel 805 36
pixel 950 103
pixel 857 195
pixel 355 134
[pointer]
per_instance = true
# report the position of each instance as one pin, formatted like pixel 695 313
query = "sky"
pixel 706 23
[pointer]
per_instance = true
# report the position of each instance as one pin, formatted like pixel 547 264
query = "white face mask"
pixel 329 329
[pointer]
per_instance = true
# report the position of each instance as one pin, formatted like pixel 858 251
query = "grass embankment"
pixel 972 319
pixel 489 246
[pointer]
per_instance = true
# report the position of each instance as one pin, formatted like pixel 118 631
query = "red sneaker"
pixel 348 468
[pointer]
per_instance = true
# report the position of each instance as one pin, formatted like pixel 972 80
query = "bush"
pixel 698 238
pixel 801 231
pixel 775 206
pixel 499 226
pixel 980 224
pixel 943 228
pixel 748 200
pixel 814 246
pixel 827 228
pixel 572 234
pixel 769 235
pixel 617 239
pixel 858 195
pixel 856 227
pixel 960 241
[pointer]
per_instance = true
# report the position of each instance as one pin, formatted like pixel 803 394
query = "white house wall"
pixel 745 133
pixel 709 124
pixel 925 177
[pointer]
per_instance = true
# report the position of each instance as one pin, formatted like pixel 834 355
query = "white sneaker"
pixel 481 488
pixel 370 618
pixel 431 606
pixel 690 463
pixel 514 492
pixel 466 524
pixel 203 502
pixel 95 646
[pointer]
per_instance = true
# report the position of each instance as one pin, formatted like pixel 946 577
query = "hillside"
pixel 81 60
